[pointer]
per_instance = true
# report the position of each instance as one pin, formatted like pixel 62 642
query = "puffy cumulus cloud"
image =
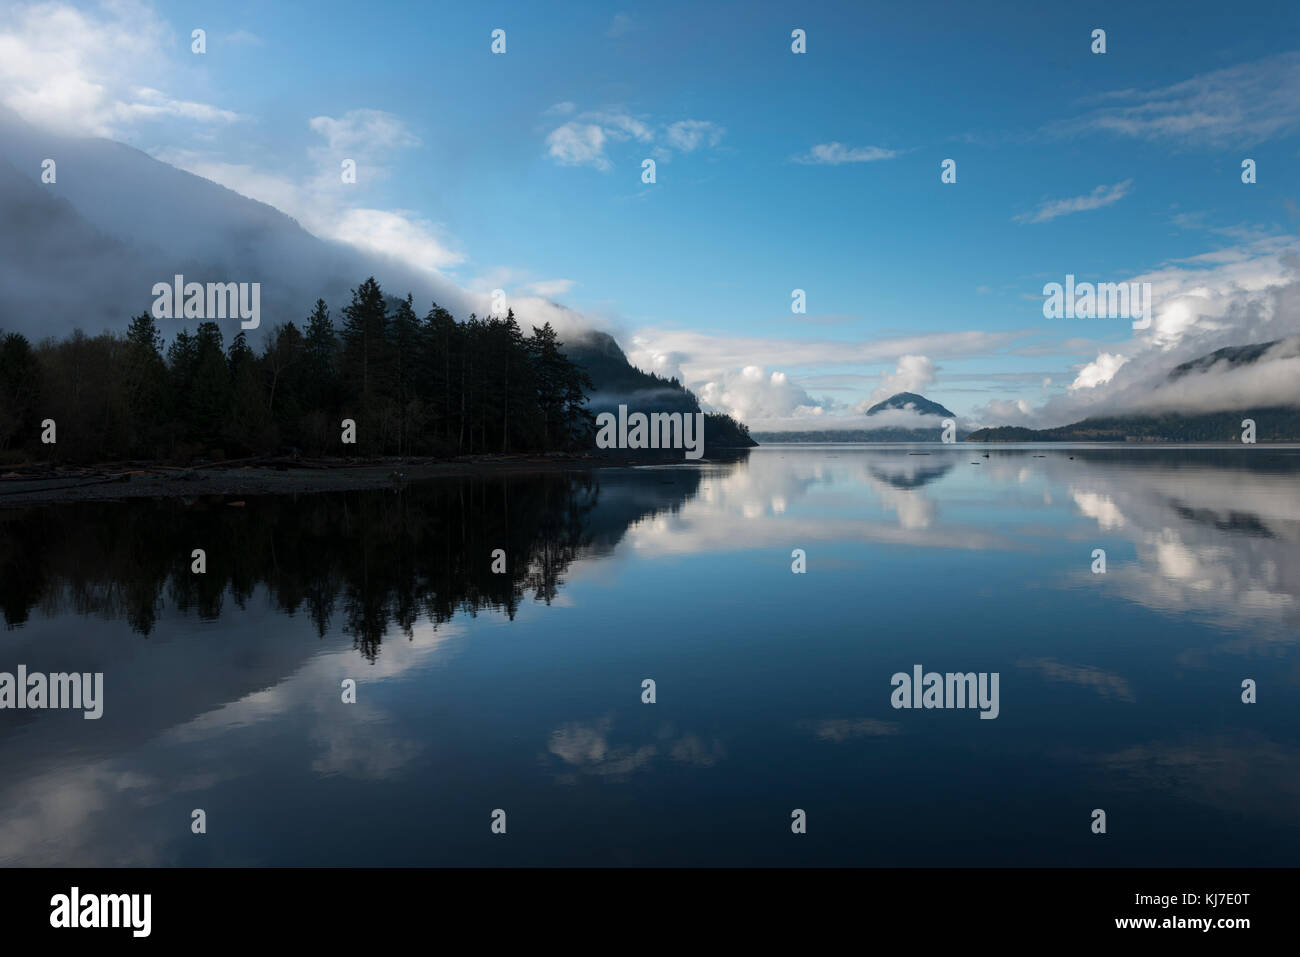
pixel 578 144
pixel 1225 294
pixel 753 393
pixel 913 374
pixel 92 73
pixel 582 140
pixel 666 363
pixel 1005 412
pixel 1235 296
pixel 1098 372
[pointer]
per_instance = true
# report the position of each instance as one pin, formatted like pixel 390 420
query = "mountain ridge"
pixel 1273 422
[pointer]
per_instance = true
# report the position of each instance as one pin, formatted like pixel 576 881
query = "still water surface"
pixel 523 691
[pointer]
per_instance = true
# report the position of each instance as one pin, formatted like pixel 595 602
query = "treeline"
pixel 1273 424
pixel 413 386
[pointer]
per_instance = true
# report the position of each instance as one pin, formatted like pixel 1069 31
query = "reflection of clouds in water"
pixel 914 508
pixel 1104 683
pixel 782 495
pixel 1245 773
pixel 586 749
pixel 1099 507
pixel 56 818
pixel 1212 540
pixel 75 815
pixel 1215 541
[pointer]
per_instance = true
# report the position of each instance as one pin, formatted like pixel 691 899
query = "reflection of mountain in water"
pixel 911 476
pixel 374 559
pixel 1216 531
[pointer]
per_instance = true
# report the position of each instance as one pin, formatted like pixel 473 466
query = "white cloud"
pixel 104 72
pixel 753 393
pixel 93 74
pixel 1234 296
pixel 583 140
pixel 1005 412
pixel 398 233
pixel 686 136
pixel 1243 104
pixel 551 287
pixel 578 144
pixel 321 202
pixel 1098 372
pixel 1099 197
pixel 833 154
pixel 913 374
pixel 621 125
pixel 364 131
pixel 704 355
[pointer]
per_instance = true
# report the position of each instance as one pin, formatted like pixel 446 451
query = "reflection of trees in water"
pixel 375 559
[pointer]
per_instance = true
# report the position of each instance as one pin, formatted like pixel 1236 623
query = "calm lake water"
pixel 522 691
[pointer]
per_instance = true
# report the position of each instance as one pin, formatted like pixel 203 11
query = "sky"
pixel 775 171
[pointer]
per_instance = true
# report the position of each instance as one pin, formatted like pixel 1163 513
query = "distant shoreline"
pixel 48 485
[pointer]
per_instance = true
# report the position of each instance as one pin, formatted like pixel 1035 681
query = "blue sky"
pixel 775 171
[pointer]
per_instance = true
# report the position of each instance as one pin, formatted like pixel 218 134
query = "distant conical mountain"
pixel 917 403
pixel 892 428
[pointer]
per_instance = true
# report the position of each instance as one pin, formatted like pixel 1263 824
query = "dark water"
pixel 522 691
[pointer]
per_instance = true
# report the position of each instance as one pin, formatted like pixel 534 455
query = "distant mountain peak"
pixel 918 403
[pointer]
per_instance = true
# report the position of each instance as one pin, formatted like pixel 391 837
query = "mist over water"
pixel 523 690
